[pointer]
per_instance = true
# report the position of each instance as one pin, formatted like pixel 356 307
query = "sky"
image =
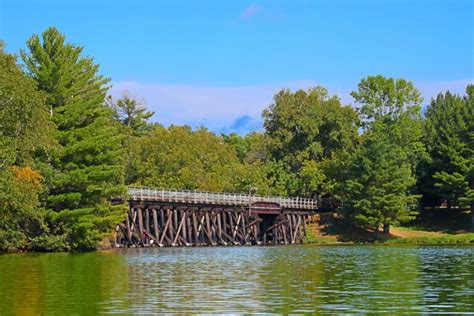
pixel 218 63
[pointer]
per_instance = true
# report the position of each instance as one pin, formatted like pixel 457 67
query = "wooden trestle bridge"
pixel 166 218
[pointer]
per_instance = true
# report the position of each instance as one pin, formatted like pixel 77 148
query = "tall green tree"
pixel 449 137
pixel 379 182
pixel 87 169
pixel 379 186
pixel 305 129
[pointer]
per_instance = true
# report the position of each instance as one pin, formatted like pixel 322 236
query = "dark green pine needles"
pixel 86 169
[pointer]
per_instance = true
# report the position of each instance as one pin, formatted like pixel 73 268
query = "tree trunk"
pixel 377 231
pixel 386 228
pixel 472 216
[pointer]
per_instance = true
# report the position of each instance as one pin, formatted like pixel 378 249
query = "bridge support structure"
pixel 168 225
pixel 163 218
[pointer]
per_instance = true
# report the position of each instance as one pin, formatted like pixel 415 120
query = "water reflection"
pixel 241 279
pixel 32 284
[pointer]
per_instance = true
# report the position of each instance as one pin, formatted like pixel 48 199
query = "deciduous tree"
pixel 305 128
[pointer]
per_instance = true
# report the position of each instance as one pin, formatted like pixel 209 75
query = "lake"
pixel 283 279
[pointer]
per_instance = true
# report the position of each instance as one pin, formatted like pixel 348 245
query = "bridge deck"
pixel 233 199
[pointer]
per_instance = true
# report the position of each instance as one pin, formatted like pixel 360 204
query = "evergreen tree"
pixel 449 137
pixel 87 169
pixel 379 184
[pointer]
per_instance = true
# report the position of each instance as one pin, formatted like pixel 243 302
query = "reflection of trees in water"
pixel 241 279
pixel 390 280
pixel 20 285
pixel 309 279
pixel 63 283
pixel 324 279
pixel 448 277
pixel 203 279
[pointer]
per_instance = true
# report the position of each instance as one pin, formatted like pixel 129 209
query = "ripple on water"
pixel 298 279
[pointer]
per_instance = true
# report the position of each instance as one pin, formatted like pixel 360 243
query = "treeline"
pixel 67 148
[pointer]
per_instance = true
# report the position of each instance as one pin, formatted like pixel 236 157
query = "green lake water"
pixel 315 279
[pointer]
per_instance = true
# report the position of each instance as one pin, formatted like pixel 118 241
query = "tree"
pixel 449 137
pixel 304 129
pixel 131 112
pixel 24 129
pixel 180 158
pixel 379 184
pixel 87 168
pixel 377 189
pixel 386 99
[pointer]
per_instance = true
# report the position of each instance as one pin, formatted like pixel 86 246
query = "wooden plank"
pixel 207 230
pixel 140 223
pixel 284 227
pixel 243 230
pixel 162 217
pixel 296 227
pixel 165 230
pixel 304 225
pixel 290 225
pixel 236 225
pixel 219 225
pixel 185 228
pixel 178 231
pixel 147 224
pixel 189 228
pixel 123 229
pixel 195 228
pixel 155 224
pixel 129 231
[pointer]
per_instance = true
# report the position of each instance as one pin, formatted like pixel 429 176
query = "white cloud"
pixel 214 107
pixel 431 89
pixel 236 108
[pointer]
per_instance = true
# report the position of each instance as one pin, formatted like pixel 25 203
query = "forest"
pixel 67 147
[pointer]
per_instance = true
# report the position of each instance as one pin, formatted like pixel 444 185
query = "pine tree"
pixel 449 136
pixel 87 170
pixel 379 183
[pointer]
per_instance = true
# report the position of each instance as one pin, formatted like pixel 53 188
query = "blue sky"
pixel 218 63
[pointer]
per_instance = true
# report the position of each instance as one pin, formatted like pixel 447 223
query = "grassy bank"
pixel 408 235
pixel 330 230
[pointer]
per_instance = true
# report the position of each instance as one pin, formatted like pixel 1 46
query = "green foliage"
pixel 87 169
pixel 180 158
pixel 132 113
pixel 449 138
pixel 305 128
pixel 378 183
pixel 66 149
pixel 386 99
pixel 24 125
pixel 381 176
pixel 24 129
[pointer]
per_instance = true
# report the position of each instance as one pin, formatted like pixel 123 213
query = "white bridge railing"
pixel 197 197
